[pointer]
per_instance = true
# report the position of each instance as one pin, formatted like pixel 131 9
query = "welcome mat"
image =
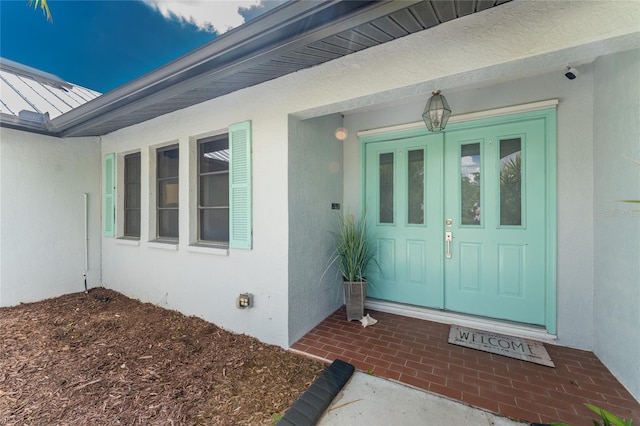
pixel 513 347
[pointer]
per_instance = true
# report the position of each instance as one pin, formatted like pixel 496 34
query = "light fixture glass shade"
pixel 437 112
pixel 341 133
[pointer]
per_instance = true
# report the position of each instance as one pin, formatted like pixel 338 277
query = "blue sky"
pixel 104 44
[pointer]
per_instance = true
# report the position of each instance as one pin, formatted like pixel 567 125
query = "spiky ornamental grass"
pixel 354 251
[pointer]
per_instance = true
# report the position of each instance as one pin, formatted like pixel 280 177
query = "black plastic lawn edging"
pixel 308 409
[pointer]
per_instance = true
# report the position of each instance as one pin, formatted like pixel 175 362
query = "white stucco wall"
pixel 499 48
pixel 617 224
pixel 42 245
pixel 574 182
pixel 315 182
pixel 205 284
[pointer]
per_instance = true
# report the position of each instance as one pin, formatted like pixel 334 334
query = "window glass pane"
pixel 386 188
pixel 214 190
pixel 214 155
pixel 168 223
pixel 132 195
pixel 168 193
pixel 510 182
pixel 416 187
pixel 132 167
pixel 132 223
pixel 470 184
pixel 214 224
pixel 168 159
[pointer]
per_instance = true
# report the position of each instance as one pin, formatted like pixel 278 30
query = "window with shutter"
pixel 213 190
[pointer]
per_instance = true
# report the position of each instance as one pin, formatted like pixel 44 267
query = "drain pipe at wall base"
pixel 86 241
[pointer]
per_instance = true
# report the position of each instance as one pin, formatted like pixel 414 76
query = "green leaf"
pixel 44 5
pixel 608 418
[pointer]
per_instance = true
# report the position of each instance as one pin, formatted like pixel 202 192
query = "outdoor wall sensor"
pixel 571 73
pixel 244 301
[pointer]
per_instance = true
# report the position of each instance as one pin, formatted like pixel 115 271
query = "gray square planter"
pixel 354 295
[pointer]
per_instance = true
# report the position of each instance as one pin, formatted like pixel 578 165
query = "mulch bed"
pixel 104 359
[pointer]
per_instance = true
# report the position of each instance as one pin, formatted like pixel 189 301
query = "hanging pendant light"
pixel 437 112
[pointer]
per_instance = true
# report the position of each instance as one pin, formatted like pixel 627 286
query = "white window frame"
pixel 196 244
pixel 154 239
pixel 122 200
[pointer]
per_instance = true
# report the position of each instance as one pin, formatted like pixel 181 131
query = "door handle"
pixel 448 236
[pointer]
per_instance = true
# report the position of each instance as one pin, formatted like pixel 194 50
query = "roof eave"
pixel 17 123
pixel 194 64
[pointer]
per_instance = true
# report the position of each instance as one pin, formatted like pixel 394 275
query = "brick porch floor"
pixel 416 352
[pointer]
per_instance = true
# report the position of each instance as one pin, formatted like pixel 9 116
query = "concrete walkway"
pixel 370 400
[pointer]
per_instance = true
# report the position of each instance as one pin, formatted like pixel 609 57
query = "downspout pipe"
pixel 85 197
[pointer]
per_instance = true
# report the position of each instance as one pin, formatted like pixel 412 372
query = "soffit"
pixel 292 37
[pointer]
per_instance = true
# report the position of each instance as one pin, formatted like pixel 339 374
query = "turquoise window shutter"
pixel 108 195
pixel 240 186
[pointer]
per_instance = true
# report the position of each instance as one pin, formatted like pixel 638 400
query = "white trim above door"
pixel 533 106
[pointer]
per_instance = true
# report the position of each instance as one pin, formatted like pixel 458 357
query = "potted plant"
pixel 354 255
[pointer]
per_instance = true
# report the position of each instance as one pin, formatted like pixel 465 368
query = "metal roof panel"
pixel 28 91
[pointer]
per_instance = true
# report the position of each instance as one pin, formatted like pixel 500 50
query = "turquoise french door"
pixel 404 199
pixel 495 215
pixel 460 219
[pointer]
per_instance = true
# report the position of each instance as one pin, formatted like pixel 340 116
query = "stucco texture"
pixel 42 219
pixel 616 265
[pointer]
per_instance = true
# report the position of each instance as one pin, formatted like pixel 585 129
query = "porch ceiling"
pixel 294 36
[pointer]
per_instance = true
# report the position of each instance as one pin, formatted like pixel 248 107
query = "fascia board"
pixel 10 121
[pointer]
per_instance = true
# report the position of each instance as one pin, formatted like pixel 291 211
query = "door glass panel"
pixel 415 187
pixel 510 182
pixel 470 184
pixel 386 187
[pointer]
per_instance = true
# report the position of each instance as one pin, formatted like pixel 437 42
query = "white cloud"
pixel 470 165
pixel 208 15
pixel 468 161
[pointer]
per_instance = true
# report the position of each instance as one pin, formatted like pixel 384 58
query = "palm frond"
pixel 44 5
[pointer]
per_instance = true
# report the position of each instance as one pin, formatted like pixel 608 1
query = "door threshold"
pixel 524 331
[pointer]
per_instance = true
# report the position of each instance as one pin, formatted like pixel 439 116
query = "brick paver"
pixel 416 352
